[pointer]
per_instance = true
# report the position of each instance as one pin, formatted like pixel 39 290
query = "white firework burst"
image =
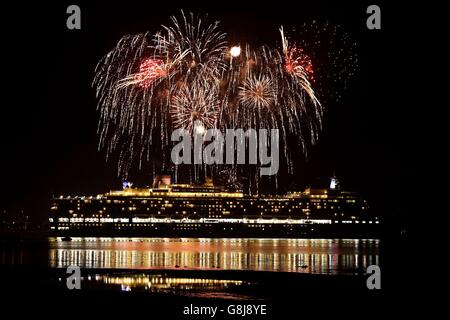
pixel 257 91
pixel 195 107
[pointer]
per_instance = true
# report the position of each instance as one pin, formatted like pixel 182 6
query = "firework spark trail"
pixel 137 80
pixel 186 75
pixel 271 95
pixel 333 69
pixel 195 105
pixel 203 44
pixel 257 91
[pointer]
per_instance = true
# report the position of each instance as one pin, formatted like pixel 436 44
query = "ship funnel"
pixel 334 183
pixel 161 181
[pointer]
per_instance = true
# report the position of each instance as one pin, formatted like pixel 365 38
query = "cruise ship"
pixel 183 210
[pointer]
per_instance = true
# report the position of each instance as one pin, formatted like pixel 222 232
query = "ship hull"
pixel 227 230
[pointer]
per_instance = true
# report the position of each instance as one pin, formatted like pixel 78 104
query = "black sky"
pixel 49 117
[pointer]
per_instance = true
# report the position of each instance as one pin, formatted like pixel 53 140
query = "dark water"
pixel 316 256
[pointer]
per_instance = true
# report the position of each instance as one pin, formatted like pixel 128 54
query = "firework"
pixel 235 51
pixel 257 91
pixel 195 106
pixel 270 95
pixel 186 76
pixel 333 69
pixel 296 62
pixel 201 45
pixel 149 71
pixel 137 82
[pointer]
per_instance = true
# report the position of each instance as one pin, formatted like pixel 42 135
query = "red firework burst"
pixel 149 70
pixel 298 62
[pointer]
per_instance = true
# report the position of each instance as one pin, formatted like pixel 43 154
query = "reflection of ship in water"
pixel 207 210
pixel 313 256
pixel 162 282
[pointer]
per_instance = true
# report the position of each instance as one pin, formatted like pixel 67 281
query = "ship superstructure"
pixel 207 210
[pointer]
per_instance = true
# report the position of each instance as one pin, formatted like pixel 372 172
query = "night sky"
pixel 49 116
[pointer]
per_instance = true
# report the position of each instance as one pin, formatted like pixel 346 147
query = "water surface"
pixel 315 256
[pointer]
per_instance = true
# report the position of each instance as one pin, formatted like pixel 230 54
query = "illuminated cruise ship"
pixel 172 210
